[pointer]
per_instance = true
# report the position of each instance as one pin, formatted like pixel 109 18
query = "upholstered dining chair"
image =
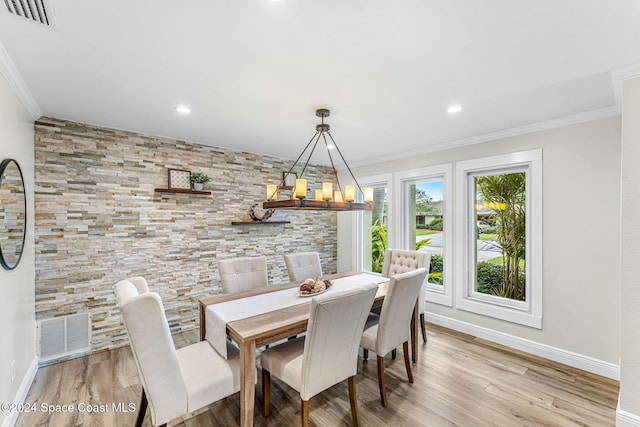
pixel 243 274
pixel 400 261
pixel 174 382
pixel 384 333
pixel 329 352
pixel 303 265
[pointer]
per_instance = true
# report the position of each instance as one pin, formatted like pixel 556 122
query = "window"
pixel 426 223
pixel 373 226
pixel 499 233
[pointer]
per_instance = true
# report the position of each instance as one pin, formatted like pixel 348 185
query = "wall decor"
pixel 257 214
pixel 13 214
pixel 179 179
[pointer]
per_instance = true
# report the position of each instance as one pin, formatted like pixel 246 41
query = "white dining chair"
pixel 303 265
pixel 243 274
pixel 400 261
pixel 174 382
pixel 392 327
pixel 329 352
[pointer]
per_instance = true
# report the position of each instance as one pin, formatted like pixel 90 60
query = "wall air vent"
pixel 38 11
pixel 63 336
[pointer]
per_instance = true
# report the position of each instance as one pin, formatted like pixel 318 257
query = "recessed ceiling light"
pixel 331 146
pixel 456 108
pixel 182 109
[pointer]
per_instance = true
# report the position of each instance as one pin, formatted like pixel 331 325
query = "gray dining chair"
pixel 243 274
pixel 384 333
pixel 400 261
pixel 174 382
pixel 327 355
pixel 303 265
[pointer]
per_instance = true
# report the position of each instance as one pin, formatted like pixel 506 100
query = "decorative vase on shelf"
pixel 199 179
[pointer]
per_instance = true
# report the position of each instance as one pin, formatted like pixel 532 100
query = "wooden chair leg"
pixel 353 400
pixel 407 360
pixel 266 393
pixel 304 413
pixel 394 354
pixel 142 410
pixel 365 355
pixel 383 389
pixel 423 327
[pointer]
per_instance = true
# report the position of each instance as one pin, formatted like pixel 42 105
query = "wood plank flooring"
pixel 459 380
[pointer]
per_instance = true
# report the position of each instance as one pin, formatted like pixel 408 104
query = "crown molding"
pixel 587 116
pixel 617 77
pixel 621 74
pixel 10 73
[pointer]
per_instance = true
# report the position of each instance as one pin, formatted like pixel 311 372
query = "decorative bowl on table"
pixel 311 287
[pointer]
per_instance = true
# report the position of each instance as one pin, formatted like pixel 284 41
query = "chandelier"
pixel 325 197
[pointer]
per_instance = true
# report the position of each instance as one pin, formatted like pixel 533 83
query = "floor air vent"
pixel 39 11
pixel 63 336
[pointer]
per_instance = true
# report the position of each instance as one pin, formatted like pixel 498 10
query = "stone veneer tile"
pixel 98 220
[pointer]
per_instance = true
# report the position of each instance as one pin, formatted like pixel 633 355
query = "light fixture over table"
pixel 325 196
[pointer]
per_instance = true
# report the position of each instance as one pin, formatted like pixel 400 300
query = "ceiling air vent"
pixel 39 11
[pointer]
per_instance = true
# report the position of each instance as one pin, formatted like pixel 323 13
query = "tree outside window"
pixel 500 213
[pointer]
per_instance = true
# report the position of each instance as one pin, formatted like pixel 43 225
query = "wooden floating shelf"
pixel 259 222
pixel 181 191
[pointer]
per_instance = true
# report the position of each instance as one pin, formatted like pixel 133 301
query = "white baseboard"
pixel 626 419
pixel 21 395
pixel 586 363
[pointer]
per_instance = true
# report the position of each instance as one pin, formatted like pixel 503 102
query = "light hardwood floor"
pixel 459 380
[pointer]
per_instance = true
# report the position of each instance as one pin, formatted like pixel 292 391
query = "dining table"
pixel 271 325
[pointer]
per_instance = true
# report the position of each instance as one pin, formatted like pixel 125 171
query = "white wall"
pixel 630 249
pixel 581 220
pixel 17 287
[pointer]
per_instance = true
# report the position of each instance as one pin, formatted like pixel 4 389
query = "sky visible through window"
pixel 433 189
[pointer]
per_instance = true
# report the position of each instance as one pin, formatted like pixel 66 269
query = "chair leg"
pixel 423 327
pixel 266 393
pixel 353 400
pixel 365 355
pixel 304 414
pixel 394 354
pixel 142 410
pixel 407 360
pixel 383 389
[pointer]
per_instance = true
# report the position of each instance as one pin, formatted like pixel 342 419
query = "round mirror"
pixel 13 214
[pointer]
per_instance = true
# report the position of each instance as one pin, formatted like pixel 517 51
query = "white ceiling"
pixel 254 71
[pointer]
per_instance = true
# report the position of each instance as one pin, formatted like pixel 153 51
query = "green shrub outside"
pixel 436 224
pixel 435 266
pixel 490 230
pixel 435 269
pixel 489 277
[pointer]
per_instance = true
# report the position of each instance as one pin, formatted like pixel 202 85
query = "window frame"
pixel 358 220
pixel 529 312
pixel 438 294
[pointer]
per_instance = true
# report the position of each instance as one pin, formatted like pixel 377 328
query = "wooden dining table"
pixel 252 332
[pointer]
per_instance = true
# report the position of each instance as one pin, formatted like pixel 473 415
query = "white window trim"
pixel 530 312
pixel 442 295
pixel 357 224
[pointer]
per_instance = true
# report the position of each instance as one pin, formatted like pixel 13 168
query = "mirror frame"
pixel 3 166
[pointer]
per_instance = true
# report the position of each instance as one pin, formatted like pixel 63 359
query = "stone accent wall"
pixel 98 220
